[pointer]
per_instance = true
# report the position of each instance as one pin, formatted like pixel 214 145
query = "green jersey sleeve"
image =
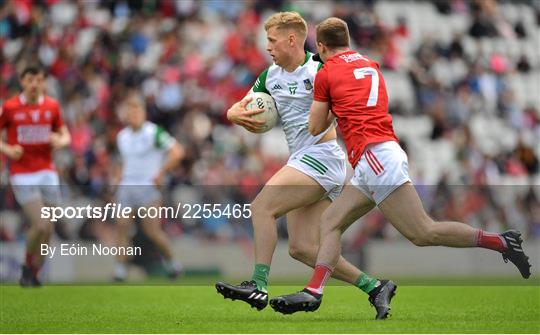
pixel 260 83
pixel 163 139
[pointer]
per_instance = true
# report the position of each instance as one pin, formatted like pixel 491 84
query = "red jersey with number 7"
pixel 30 126
pixel 355 90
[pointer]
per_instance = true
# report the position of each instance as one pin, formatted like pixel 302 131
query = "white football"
pixel 264 101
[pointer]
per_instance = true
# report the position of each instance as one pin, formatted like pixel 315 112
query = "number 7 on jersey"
pixel 361 73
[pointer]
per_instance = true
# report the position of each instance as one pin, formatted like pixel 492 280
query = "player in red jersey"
pixel 352 87
pixel 34 128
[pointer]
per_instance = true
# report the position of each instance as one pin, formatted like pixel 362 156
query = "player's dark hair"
pixel 32 69
pixel 333 33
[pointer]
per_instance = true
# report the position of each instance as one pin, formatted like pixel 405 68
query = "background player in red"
pixel 352 87
pixel 34 127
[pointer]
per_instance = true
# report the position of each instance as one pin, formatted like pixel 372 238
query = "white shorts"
pixel 43 185
pixel 382 168
pixel 326 163
pixel 136 196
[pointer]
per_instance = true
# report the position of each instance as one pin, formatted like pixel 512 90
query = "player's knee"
pixel 425 237
pixel 420 230
pixel 152 232
pixel 420 241
pixel 43 229
pixel 257 208
pixel 48 232
pixel 302 253
pixel 261 208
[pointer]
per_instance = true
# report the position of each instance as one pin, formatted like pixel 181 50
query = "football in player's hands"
pixel 269 116
pixel 238 114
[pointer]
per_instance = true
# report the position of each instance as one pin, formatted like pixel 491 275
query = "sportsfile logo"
pixel 109 211
pixel 112 211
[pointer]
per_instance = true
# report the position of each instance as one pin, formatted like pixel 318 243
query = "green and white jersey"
pixel 293 93
pixel 142 152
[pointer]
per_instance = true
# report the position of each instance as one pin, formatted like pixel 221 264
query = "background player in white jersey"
pixel 314 174
pixel 148 153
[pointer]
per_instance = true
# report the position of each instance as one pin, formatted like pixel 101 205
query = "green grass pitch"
pixel 199 309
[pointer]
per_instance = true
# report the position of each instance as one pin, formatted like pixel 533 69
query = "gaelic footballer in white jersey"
pixel 293 93
pixel 148 154
pixel 303 189
pixel 143 152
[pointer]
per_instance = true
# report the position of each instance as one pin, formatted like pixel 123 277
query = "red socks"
pixel 320 276
pixel 29 261
pixel 491 241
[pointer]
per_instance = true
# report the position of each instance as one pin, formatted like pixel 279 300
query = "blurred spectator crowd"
pixel 463 80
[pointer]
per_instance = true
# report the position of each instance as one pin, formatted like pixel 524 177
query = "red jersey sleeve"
pixel 321 91
pixel 58 120
pixel 3 117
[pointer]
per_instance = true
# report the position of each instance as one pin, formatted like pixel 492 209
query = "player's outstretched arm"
pixel 238 114
pixel 320 117
pixel 60 138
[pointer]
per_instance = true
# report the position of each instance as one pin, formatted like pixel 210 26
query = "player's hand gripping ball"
pixel 269 116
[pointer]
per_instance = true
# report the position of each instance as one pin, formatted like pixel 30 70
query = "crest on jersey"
pixel 35 115
pixel 47 115
pixel 307 84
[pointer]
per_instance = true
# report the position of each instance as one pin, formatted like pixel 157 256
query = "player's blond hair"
pixel 333 33
pixel 286 21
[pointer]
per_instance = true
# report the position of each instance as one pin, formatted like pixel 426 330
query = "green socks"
pixel 260 276
pixel 261 272
pixel 366 283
